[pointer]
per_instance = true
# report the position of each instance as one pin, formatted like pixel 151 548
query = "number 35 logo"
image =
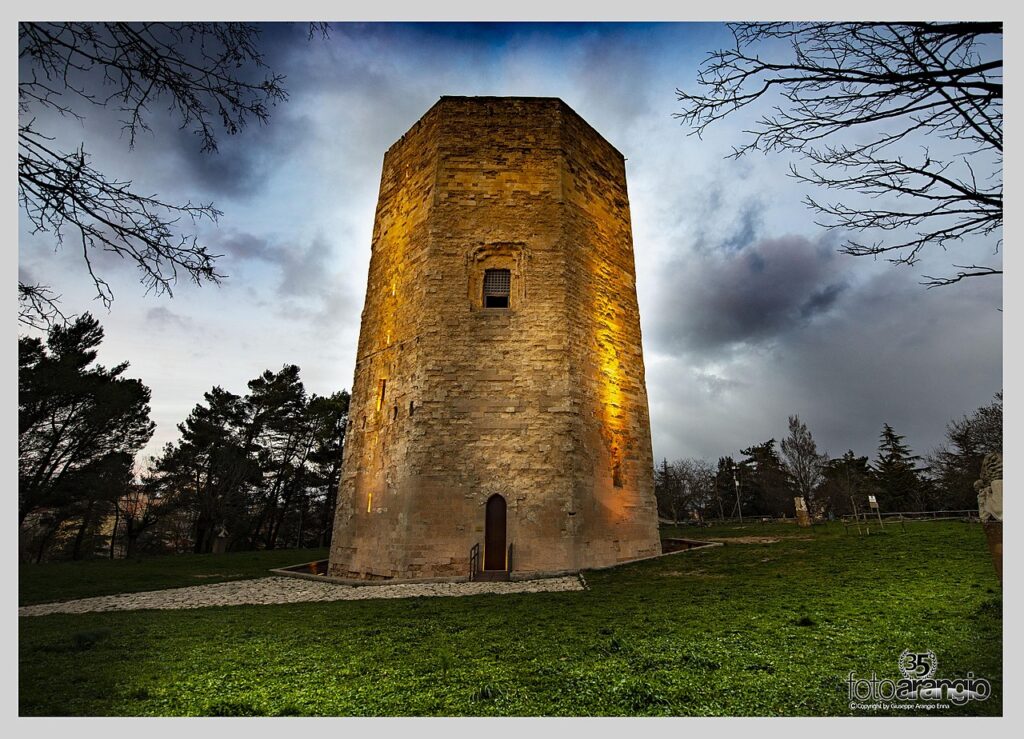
pixel 918 665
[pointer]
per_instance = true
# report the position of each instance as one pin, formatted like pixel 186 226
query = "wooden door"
pixel 494 534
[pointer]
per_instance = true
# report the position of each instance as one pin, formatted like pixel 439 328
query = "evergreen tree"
pixel 265 467
pixel 802 461
pixel 724 502
pixel 283 438
pixel 956 464
pixel 766 488
pixel 665 486
pixel 329 417
pixel 79 428
pixel 844 478
pixel 209 471
pixel 899 481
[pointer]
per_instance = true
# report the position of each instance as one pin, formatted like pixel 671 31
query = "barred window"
pixel 497 286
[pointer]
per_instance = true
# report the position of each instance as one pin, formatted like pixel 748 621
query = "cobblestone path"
pixel 271 590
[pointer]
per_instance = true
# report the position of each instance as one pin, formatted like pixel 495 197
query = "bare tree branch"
pixel 961 275
pixel 212 77
pixel 39 308
pixel 894 81
pixel 58 191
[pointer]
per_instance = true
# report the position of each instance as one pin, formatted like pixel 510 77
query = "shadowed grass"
pixel 53 581
pixel 743 629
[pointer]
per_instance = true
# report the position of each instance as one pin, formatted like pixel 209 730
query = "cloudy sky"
pixel 748 312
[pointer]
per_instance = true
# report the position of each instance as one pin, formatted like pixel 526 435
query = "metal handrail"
pixel 474 561
pixel 508 561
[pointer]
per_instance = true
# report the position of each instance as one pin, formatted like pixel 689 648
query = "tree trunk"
pixel 202 536
pixel 131 534
pixel 76 552
pixel 46 540
pixel 327 525
pixel 113 531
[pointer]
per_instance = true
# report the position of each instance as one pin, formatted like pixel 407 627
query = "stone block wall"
pixel 542 402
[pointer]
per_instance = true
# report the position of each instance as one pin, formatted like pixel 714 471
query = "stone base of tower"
pixel 427 534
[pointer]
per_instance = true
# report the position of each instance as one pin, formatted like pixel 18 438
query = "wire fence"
pixel 866 516
pixel 872 519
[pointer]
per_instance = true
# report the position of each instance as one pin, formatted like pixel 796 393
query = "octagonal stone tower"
pixel 499 416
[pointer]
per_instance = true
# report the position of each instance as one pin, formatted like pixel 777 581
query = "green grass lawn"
pixel 69 580
pixel 745 629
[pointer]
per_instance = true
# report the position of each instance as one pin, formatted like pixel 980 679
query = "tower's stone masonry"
pixel 542 402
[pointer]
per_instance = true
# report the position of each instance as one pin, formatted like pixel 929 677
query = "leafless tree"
pixel 134 513
pixel 894 83
pixel 209 73
pixel 684 485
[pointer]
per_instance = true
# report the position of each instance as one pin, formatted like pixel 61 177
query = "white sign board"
pixel 872 502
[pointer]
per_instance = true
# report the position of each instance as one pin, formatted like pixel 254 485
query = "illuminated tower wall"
pixel 537 397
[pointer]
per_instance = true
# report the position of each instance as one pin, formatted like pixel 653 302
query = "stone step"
pixel 492 576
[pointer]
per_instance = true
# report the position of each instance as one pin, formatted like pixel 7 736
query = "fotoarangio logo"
pixel 918 689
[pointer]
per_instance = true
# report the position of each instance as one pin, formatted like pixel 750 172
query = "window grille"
pixel 497 287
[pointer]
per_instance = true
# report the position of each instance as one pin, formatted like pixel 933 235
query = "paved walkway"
pixel 271 590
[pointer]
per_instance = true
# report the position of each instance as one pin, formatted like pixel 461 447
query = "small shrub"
pixel 486 692
pixel 82 640
pixel 445 660
pixel 232 708
pixel 699 663
pixel 639 696
pixel 994 605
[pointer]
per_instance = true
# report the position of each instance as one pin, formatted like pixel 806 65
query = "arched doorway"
pixel 494 534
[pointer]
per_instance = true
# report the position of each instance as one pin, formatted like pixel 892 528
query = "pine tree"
pixel 899 481
pixel 79 428
pixel 844 478
pixel 209 471
pixel 329 417
pixel 766 488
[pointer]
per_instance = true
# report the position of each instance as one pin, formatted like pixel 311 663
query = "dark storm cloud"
pixel 610 63
pixel 164 318
pixel 716 300
pixel 887 357
pixel 822 300
pixel 245 247
pixel 715 385
pixel 746 230
pixel 882 354
pixel 723 213
pixel 306 288
pixel 241 163
pixel 303 269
